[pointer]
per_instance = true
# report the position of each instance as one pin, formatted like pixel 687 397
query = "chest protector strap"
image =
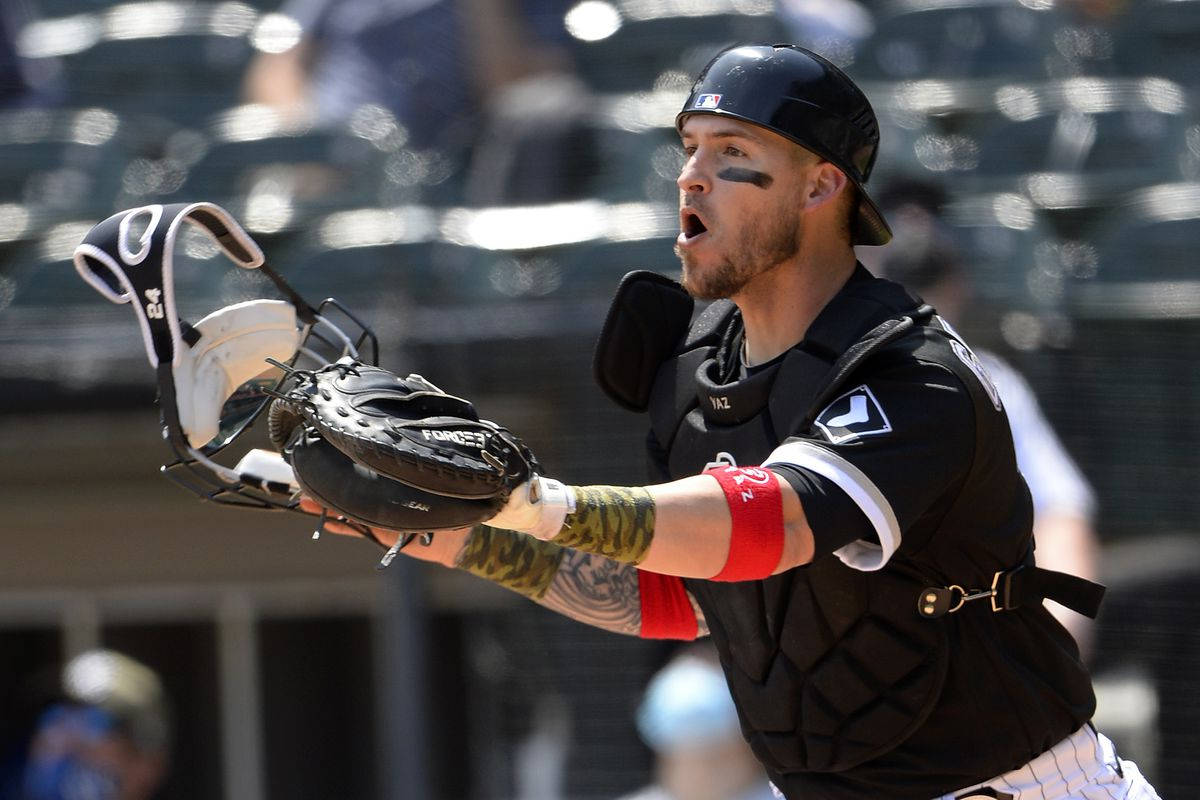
pixel 1024 585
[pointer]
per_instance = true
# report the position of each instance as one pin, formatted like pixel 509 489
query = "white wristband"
pixel 537 507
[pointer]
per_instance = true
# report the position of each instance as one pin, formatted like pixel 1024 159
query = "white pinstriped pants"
pixel 1084 766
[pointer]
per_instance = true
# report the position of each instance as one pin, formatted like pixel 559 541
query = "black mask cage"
pixel 197 364
pixel 247 484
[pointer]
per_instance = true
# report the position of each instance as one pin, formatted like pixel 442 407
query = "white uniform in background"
pixel 1056 483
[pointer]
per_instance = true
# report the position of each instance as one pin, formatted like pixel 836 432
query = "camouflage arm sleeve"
pixel 512 560
pixel 611 521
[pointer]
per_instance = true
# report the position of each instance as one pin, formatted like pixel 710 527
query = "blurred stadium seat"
pixel 917 39
pixel 249 152
pixel 1005 243
pixel 183 59
pixel 639 165
pixel 1158 37
pixel 1155 240
pixel 1073 147
pixel 61 160
pixel 1086 125
pixel 626 52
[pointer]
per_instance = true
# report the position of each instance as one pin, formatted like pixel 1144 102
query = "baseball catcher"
pixel 837 500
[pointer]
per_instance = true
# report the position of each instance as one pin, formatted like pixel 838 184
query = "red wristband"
pixel 666 611
pixel 756 505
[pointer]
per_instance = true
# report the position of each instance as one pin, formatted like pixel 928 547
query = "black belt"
pixel 1023 585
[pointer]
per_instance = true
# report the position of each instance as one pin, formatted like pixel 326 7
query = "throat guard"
pixel 699 407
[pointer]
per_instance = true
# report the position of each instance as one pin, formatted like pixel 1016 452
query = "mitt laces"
pixel 309 376
pixel 302 376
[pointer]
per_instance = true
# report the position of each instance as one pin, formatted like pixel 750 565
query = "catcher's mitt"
pixel 394 452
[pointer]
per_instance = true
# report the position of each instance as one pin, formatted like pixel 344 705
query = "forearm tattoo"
pixel 513 560
pixel 588 588
pixel 597 591
pixel 610 521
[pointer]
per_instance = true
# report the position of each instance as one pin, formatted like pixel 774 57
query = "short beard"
pixel 760 249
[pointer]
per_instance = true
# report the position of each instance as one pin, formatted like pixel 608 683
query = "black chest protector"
pixel 829 666
pixel 823 674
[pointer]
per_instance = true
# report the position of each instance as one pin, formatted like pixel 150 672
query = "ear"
pixel 826 183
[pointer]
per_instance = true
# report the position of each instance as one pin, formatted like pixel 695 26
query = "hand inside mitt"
pixel 394 452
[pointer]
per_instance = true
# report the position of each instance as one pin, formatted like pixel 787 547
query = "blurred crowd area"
pixel 473 177
pixel 474 172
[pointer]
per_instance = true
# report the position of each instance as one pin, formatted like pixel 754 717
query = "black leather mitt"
pixel 394 452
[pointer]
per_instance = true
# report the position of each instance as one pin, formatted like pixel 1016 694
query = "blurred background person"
pixel 924 257
pixel 106 738
pixel 13 86
pixel 24 81
pixel 834 28
pixel 455 74
pixel 688 719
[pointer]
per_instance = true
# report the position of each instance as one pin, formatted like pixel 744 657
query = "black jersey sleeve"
pixel 834 519
pixel 898 443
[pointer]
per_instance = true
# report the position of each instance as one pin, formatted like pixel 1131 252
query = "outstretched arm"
pixel 588 588
pixel 693 528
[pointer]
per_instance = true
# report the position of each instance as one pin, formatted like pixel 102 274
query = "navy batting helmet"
pixel 801 96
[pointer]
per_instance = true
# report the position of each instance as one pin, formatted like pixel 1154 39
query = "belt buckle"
pixel 1002 591
pixel 995 594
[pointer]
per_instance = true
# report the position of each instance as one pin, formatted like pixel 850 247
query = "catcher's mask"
pixel 215 377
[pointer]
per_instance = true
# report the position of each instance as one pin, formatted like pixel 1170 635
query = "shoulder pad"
pixel 864 303
pixel 880 339
pixel 648 318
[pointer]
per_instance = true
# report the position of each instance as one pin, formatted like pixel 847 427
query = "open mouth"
pixel 690 224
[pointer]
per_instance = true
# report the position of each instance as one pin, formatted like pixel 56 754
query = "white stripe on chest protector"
pixel 861 555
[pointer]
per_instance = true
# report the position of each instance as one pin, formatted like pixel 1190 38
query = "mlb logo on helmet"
pixel 708 101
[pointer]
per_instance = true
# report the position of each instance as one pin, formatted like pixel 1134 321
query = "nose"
pixel 693 179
